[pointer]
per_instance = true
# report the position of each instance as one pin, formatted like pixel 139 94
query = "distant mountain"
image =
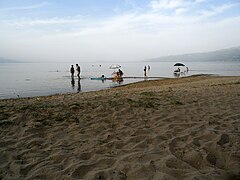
pixel 232 54
pixel 5 60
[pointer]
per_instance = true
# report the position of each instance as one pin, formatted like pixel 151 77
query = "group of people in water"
pixel 72 71
pixel 180 72
pixel 116 75
pixel 145 70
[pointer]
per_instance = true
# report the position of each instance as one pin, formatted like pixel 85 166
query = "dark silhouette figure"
pixel 145 71
pixel 72 71
pixel 120 73
pixel 78 70
pixel 103 76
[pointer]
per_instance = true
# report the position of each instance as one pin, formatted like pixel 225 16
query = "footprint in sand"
pixel 224 139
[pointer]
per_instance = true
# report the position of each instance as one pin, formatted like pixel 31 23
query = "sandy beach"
pixel 183 128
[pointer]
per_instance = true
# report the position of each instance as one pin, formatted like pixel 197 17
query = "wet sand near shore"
pixel 183 128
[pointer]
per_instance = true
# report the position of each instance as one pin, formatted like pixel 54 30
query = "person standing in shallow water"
pixel 72 71
pixel 78 70
pixel 145 71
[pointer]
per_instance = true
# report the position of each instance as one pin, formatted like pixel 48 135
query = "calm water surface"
pixel 39 79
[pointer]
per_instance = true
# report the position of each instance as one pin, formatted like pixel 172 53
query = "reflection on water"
pixel 176 75
pixel 79 86
pixel 118 80
pixel 72 82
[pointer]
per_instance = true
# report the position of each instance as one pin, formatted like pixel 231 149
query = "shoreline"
pixel 105 88
pixel 173 128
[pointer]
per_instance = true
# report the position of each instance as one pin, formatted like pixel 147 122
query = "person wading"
pixel 72 71
pixel 78 70
pixel 145 71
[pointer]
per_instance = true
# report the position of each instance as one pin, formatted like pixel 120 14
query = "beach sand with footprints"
pixel 184 128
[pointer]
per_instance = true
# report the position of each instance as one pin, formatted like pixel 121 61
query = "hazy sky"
pixel 115 30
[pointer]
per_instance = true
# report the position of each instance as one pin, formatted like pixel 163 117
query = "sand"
pixel 186 128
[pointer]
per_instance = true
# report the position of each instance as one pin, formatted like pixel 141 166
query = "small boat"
pixel 98 78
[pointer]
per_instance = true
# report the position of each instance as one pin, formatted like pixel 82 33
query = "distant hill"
pixel 232 54
pixel 5 60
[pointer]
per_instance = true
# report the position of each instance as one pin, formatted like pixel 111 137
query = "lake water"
pixel 40 79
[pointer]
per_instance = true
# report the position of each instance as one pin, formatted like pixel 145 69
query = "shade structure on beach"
pixel 179 64
pixel 114 66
